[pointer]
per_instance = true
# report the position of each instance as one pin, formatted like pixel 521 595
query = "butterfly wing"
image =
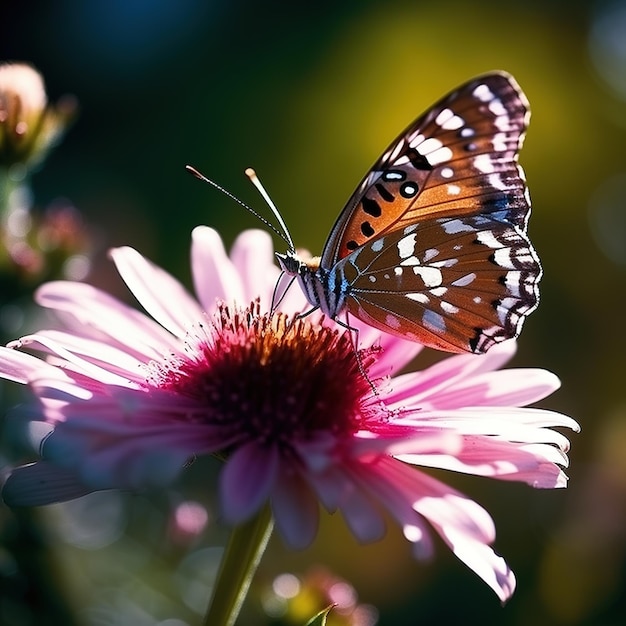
pixel 455 284
pixel 459 158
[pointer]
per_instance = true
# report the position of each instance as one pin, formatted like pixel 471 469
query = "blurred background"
pixel 309 93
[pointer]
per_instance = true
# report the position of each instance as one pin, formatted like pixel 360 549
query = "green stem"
pixel 241 558
pixel 6 187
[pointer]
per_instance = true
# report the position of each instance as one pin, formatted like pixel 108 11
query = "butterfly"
pixel 432 246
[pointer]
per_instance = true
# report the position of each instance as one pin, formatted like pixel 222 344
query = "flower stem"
pixel 241 558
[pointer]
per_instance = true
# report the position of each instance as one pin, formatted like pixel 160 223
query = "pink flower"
pixel 126 400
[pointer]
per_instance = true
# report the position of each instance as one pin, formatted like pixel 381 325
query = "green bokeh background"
pixel 309 94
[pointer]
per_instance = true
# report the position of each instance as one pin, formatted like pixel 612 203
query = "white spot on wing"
pixel 448 120
pixel 433 321
pixel 378 245
pixel 499 142
pixel 483 93
pixel 406 246
pixel 447 172
pixel 468 279
pixel 446 262
pixel 431 276
pixel 412 260
pixel 422 298
pixel 415 139
pixel 454 190
pixel 429 145
pixel 392 321
pixel 497 108
pixel 452 227
pixel 449 307
pixel 440 156
pixel 495 180
pixel 430 254
pixel 484 163
pixel 486 237
pixel 503 258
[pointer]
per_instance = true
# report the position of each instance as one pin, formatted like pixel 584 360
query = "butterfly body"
pixel 432 245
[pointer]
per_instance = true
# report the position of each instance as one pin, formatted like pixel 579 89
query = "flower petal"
pixel 295 509
pixel 513 387
pixel 246 480
pixel 422 387
pixel 116 360
pixel 98 315
pixel 215 277
pixel 87 368
pixel 160 294
pixel 536 465
pixel 468 529
pixel 253 257
pixel 42 483
pixel 19 367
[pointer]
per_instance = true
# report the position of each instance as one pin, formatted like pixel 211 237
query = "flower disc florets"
pixel 270 379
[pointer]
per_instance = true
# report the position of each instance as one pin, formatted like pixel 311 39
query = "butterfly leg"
pixel 276 299
pixel 354 339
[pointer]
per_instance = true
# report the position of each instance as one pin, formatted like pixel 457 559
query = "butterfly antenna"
pixel 251 174
pixel 284 236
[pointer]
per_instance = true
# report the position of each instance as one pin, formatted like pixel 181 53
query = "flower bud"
pixel 29 125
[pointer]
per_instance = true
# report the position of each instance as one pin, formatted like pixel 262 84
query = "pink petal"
pixel 118 455
pixel 514 387
pixel 246 480
pixel 336 489
pixel 253 257
pixel 161 295
pixel 421 387
pixel 89 369
pixel 523 425
pixel 295 509
pixel 20 368
pixel 102 354
pixel 465 526
pixel 41 483
pixel 215 277
pixel 395 354
pixel 362 516
pixel 480 558
pixel 536 465
pixel 100 316
pixel 468 529
pixel 380 478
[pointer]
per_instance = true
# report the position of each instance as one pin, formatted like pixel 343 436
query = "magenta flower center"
pixel 267 379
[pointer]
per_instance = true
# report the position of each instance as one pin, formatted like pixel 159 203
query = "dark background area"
pixel 309 94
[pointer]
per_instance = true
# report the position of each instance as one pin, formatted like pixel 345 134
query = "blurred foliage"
pixel 309 94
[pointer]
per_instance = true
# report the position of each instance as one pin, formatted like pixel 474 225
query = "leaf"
pixel 321 617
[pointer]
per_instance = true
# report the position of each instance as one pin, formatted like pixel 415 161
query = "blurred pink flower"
pixel 125 400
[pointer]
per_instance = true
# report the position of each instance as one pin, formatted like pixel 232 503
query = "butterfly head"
pixel 289 263
pixel 295 265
